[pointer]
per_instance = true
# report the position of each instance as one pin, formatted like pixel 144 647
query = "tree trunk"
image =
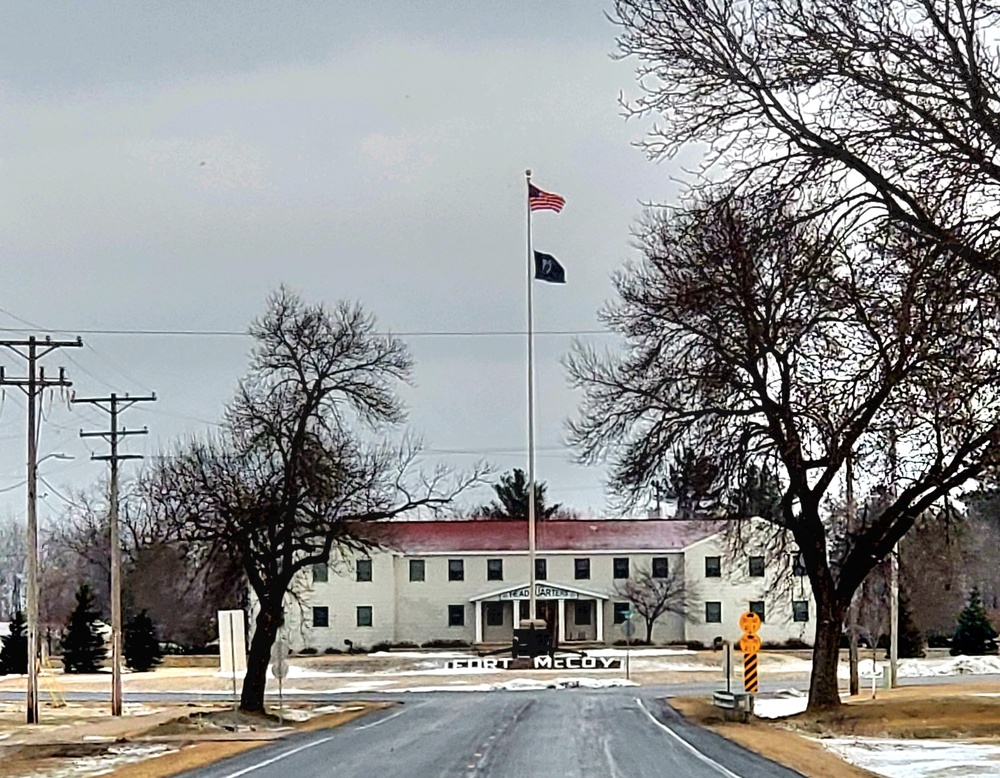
pixel 823 689
pixel 649 631
pixel 255 681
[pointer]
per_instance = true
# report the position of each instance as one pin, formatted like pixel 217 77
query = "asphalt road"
pixel 578 733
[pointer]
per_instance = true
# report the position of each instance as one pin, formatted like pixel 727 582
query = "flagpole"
pixel 531 423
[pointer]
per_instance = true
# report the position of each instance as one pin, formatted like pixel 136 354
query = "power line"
pixel 243 334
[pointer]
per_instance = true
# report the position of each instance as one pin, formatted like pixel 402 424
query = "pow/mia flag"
pixel 548 269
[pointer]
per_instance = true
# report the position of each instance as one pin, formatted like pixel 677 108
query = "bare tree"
pixel 653 596
pixel 762 340
pixel 292 468
pixel 13 558
pixel 883 107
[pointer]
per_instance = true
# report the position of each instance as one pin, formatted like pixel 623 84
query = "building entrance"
pixel 548 611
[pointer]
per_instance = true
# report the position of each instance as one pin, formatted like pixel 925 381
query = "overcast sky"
pixel 164 166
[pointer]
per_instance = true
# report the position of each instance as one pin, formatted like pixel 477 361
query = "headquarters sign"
pixel 544 662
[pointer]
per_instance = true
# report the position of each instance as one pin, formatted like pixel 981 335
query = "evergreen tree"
pixel 512 498
pixel 142 648
pixel 974 635
pixel 14 654
pixel 83 646
pixel 911 639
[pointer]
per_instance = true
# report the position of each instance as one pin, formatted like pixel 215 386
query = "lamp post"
pixel 32 598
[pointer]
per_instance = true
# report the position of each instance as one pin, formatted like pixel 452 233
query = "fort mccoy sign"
pixel 543 662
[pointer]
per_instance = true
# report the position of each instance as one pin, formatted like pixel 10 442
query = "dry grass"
pixel 199 743
pixel 949 711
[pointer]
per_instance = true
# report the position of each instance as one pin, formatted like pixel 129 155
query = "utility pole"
pixel 114 405
pixel 33 385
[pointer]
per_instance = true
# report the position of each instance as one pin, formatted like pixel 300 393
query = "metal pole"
pixel 893 575
pixel 852 650
pixel 32 701
pixel 531 424
pixel 116 568
pixel 729 668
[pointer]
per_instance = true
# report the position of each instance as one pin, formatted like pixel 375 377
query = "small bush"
pixel 332 650
pixel 938 640
pixel 405 644
pixel 632 642
pixel 308 651
pixel 796 644
pixel 695 645
pixel 383 646
pixel 438 643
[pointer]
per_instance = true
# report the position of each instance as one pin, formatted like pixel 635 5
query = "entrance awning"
pixel 543 591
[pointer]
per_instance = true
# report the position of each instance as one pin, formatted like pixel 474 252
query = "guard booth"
pixel 532 638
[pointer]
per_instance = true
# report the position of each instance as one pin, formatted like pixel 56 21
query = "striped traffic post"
pixel 750 645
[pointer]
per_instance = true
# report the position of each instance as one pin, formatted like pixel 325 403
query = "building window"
pixel 321 616
pixel 417 570
pixel 756 566
pixel 621 608
pixel 661 569
pixel 582 615
pixel 799 565
pixel 321 573
pixel 494 614
pixel 364 569
pixel 494 569
pixel 757 606
pixel 456 570
pixel 364 615
pixel 456 615
pixel 713 612
pixel 800 610
pixel 581 568
pixel 713 567
pixel 620 564
pixel 541 570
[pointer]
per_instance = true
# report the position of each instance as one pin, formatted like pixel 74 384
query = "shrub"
pixel 405 644
pixel 938 640
pixel 383 646
pixel 332 650
pixel 438 643
pixel 308 651
pixel 142 648
pixel 695 645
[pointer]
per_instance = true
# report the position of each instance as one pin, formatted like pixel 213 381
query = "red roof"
pixel 416 537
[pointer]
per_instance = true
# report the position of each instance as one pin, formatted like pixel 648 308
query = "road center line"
pixel 381 721
pixel 706 759
pixel 277 758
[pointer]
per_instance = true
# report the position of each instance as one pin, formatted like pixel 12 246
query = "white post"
pixel 562 622
pixel 479 621
pixel 599 607
pixel 531 421
pixel 894 616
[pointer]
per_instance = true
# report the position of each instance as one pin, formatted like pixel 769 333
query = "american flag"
pixel 544 201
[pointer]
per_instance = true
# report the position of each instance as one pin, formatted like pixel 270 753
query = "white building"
pixel 468 580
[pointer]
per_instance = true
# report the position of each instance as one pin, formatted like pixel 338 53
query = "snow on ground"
pixel 786 702
pixel 513 685
pixel 918 758
pixel 115 757
pixel 959 665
